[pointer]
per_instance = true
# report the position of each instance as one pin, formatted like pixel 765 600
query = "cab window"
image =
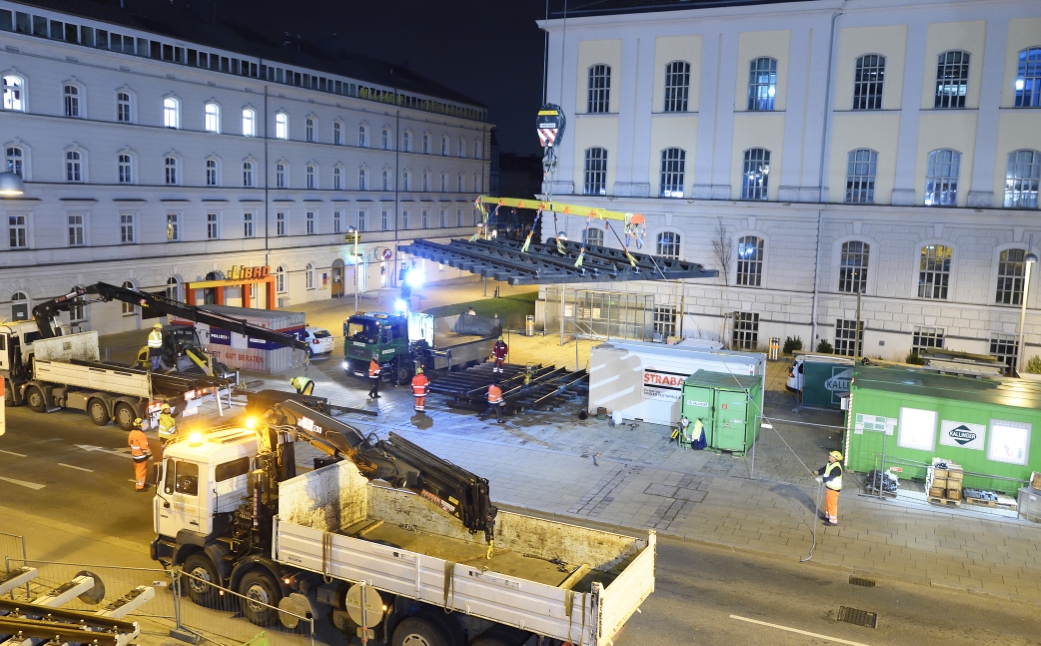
pixel 232 469
pixel 182 477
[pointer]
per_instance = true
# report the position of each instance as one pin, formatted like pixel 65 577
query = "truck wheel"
pixel 420 630
pixel 501 636
pixel 125 416
pixel 260 597
pixel 200 584
pixel 98 412
pixel 403 373
pixel 36 400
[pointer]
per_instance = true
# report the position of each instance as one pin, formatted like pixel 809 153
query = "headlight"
pixel 346 365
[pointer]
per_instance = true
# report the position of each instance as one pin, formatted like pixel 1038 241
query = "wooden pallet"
pixel 1011 506
pixel 947 502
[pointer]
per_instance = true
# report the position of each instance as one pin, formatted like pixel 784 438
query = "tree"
pixel 723 246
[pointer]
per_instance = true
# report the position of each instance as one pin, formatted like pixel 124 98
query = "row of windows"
pixel 15 99
pixel 1022 176
pixel 29 24
pixel 952 79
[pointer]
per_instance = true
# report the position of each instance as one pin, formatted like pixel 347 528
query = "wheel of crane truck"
pixel 98 412
pixel 421 630
pixel 260 597
pixel 200 585
pixel 36 400
pixel 501 636
pixel 125 416
pixel 403 371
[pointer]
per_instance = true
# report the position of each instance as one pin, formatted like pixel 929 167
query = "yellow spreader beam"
pixel 584 211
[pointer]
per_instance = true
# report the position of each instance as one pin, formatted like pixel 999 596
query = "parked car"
pixel 794 383
pixel 319 340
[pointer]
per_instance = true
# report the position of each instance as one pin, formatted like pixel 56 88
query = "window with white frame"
pixel 129 309
pixel 212 173
pixel 406 141
pixel 19 301
pixel 750 254
pixel 671 176
pixel 595 238
pixel 385 139
pixel 755 179
pixel 249 122
pixel 746 331
pixel 363 179
pixel 309 128
pixel 853 266
pixel 171 112
pixel 595 172
pixel 762 83
pixel 123 107
pixel 459 218
pixel 280 279
pixel 461 183
pixel 426 143
pixel 444 182
pixel 125 167
pixel 212 226
pixel 424 222
pixel 173 288
pixel 338 178
pixel 934 272
pixel 444 146
pixel 72 101
pixel 444 218
pixel 461 148
pixel 173 227
pixel 426 181
pixel 309 276
pixel 1005 347
pixel 170 168
pixel 248 174
pixel 15 158
pixel 337 133
pixel 281 171
pixel 1009 442
pixel 477 149
pixel 212 122
pixel 73 166
pixel 312 224
pixel 916 429
pixel 941 179
pixel 76 230
pixel 848 341
pixel 363 136
pixel 281 224
pixel 14 93
pixel 406 181
pixel 1011 264
pixel 78 310
pixel 952 79
pixel 312 176
pixel 860 176
pixel 664 322
pixel 18 228
pixel 363 215
pixel 337 221
pixel 249 225
pixel 385 180
pixel 404 219
pixel 926 338
pixel 281 125
pixel 598 92
pixel 1022 177
pixel 868 80
pixel 127 228
pixel 385 220
pixel 1028 78
pixel 668 244
pixel 677 86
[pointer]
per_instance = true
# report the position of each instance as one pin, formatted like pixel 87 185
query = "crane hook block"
pixel 550 124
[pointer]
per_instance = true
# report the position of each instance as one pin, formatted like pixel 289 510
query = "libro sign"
pixel 963 434
pixel 240 272
pixel 661 384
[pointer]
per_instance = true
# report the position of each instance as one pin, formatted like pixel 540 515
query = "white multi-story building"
pixel 888 147
pixel 161 147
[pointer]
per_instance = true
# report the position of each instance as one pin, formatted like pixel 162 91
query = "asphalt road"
pixel 704 594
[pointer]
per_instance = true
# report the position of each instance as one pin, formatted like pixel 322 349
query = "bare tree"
pixel 723 246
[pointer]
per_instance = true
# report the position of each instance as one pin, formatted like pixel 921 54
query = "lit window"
pixel 598 93
pixel 762 83
pixel 171 112
pixel 170 166
pixel 1028 78
pixel 756 174
pixel 677 86
pixel 750 253
pixel 73 166
pixel 952 79
pixel 72 101
pixel 860 176
pixel 934 272
pixel 281 125
pixel 14 158
pixel 247 174
pixel 673 167
pixel 1022 177
pixel 123 107
pixel 941 180
pixel 212 117
pixel 173 227
pixel 126 172
pixel 595 172
pixel 853 266
pixel 868 81
pixel 668 244
pixel 14 93
pixel 249 122
pixel 1010 277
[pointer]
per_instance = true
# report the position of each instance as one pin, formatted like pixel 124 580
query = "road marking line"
pixel 795 630
pixel 17 455
pixel 23 483
pixel 62 464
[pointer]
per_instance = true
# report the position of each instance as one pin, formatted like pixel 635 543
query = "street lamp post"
pixel 352 232
pixel 1030 259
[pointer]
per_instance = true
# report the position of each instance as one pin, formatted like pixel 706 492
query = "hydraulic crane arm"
pixel 44 312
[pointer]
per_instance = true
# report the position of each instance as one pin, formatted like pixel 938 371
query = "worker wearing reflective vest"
pixel 499 352
pixel 831 475
pixel 155 345
pixel 495 402
pixel 420 385
pixel 140 452
pixel 374 377
pixel 167 424
pixel 303 385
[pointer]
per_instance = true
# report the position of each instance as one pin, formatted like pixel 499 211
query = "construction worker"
pixel 155 345
pixel 420 385
pixel 495 402
pixel 697 436
pixel 167 424
pixel 140 452
pixel 303 385
pixel 831 475
pixel 499 352
pixel 374 377
pixel 470 312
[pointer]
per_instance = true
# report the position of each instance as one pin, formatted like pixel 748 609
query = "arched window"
pixel 248 174
pixel 868 80
pixel 171 168
pixel 750 261
pixel 952 79
pixel 595 172
pixel 124 107
pixel 171 112
pixel 461 183
pixel 477 183
pixel 129 309
pixel 71 95
pixel 1028 78
pixel 363 179
pixel 444 146
pixel 173 288
pixel 426 143
pixel 20 306
pixel 1022 176
pixel 444 182
pixel 385 139
pixel 281 125
pixel 673 168
pixel 668 244
pixel 406 181
pixel 14 93
pixel 309 276
pixel 406 141
pixel 853 267
pixel 249 122
pixel 14 160
pixel 941 178
pixel 594 237
pixel 212 171
pixel 310 125
pixel 860 176
pixel 312 176
pixel 363 136
pixel 1010 277
pixel 125 165
pixel 280 279
pixel 281 175
pixel 756 174
pixel 426 181
pixel 598 92
pixel 478 150
pixel 212 117
pixel 73 166
pixel 934 272
pixel 762 83
pixel 677 86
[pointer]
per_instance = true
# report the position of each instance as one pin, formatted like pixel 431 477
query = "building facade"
pixel 812 151
pixel 152 161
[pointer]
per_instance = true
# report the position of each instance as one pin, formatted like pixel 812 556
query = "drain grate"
pixel 861 581
pixel 857 617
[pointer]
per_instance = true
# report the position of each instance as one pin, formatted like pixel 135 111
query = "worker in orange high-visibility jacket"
pixel 831 475
pixel 140 452
pixel 374 377
pixel 495 402
pixel 420 386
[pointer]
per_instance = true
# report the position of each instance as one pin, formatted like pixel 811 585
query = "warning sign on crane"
pixel 550 124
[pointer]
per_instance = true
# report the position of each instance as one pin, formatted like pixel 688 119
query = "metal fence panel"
pixel 12 546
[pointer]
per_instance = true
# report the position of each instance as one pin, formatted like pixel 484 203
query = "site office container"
pixel 247 353
pixel 985 425
pixel 730 407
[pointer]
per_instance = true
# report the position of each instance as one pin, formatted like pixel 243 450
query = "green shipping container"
pixel 729 406
pixel 984 425
pixel 825 381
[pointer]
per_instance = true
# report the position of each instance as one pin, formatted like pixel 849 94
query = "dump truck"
pixel 439 563
pixel 404 342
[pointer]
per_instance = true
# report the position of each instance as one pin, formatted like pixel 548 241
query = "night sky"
pixel 489 50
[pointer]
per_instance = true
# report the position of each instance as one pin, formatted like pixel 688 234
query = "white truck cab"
pixel 16 342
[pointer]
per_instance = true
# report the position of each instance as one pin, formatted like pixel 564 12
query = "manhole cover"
pixel 866 583
pixel 857 617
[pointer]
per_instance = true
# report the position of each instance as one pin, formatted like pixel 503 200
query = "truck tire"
pixel 501 636
pixel 201 567
pixel 125 416
pixel 403 372
pixel 36 399
pixel 98 412
pixel 420 630
pixel 259 586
